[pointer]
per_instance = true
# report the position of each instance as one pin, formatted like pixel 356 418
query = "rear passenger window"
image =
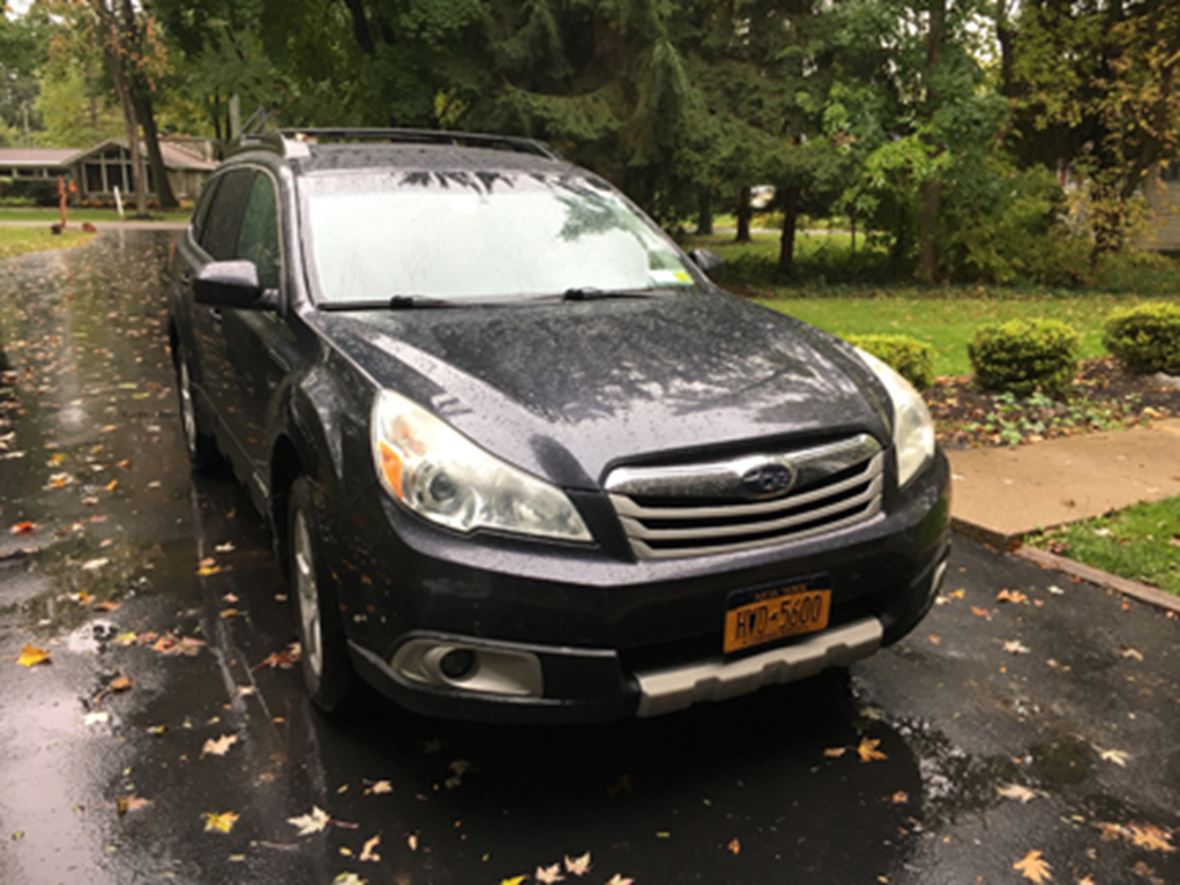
pixel 259 239
pixel 202 211
pixel 219 237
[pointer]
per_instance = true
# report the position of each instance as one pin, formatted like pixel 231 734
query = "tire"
pixel 327 669
pixel 200 446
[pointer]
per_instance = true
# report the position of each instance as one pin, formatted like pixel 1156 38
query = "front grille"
pixel 706 508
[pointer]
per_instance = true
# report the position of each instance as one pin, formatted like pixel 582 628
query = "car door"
pixel 259 344
pixel 218 238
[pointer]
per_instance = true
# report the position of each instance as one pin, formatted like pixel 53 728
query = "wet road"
pixel 132 569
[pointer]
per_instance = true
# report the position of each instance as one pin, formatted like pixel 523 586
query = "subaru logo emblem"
pixel 768 480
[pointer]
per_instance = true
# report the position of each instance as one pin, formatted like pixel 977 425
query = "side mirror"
pixel 706 259
pixel 232 284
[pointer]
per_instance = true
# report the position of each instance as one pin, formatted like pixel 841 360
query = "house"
pixel 98 170
pixel 1162 193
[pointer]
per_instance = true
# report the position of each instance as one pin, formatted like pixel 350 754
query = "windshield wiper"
pixel 394 302
pixel 590 293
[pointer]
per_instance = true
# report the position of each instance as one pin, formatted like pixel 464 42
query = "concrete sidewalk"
pixel 1001 494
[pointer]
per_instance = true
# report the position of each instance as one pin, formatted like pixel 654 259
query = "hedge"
pixel 1145 338
pixel 1024 356
pixel 913 359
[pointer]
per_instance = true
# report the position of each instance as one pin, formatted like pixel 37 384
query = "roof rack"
pixel 292 141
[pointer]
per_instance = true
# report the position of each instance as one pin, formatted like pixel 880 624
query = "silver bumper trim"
pixel 665 691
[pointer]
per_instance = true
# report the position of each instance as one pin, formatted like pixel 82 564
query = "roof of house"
pixel 29 156
pixel 175 157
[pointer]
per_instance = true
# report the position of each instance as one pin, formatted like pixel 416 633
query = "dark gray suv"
pixel 522 459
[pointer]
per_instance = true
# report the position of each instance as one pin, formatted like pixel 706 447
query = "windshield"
pixel 478 235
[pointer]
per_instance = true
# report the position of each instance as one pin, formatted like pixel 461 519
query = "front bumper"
pixel 614 638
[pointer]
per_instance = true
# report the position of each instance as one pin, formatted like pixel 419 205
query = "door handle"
pixel 215 312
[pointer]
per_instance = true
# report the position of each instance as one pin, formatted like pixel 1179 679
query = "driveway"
pixel 1046 723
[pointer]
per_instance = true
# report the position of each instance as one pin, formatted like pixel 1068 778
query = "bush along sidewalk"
pixel 1025 356
pixel 913 359
pixel 1145 338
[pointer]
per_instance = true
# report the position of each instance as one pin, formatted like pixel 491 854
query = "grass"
pixel 1141 543
pixel 23 240
pixel 48 215
pixel 944 317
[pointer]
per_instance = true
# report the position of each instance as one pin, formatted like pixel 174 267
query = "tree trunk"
pixel 113 51
pixel 743 216
pixel 704 213
pixel 931 191
pixel 786 243
pixel 151 138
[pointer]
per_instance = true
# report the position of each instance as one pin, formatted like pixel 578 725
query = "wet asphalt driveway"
pixel 1047 723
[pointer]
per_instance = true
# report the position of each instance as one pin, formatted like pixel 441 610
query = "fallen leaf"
pixel 1132 653
pixel 227 547
pixel 1118 757
pixel 900 797
pixel 107 606
pixel 207 567
pixel 1151 837
pixel 125 804
pixel 120 683
pixel 312 822
pixel 934 639
pixel 1016 791
pixel 513 880
pixel 981 612
pixel 868 752
pixel 219 746
pixel 1033 867
pixel 227 613
pixel 1055 590
pixel 127 638
pixel 1016 647
pixel 578 866
pixel 23 528
pixel 549 875
pixel 368 850
pixel 92 565
pixel 617 879
pixel 284 659
pixel 380 787
pixel 96 717
pixel 734 847
pixel 835 752
pixel 31 656
pixel 1013 596
pixel 412 841
pixel 220 823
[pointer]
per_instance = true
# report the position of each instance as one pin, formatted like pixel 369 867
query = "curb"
pixel 1135 589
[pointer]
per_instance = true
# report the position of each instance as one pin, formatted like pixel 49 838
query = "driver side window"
pixel 259 237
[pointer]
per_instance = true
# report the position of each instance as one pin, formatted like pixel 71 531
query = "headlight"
pixel 440 474
pixel 913 429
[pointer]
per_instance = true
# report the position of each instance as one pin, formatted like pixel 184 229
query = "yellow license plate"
pixel 756 617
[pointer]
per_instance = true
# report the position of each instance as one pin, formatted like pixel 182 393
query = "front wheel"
pixel 327 670
pixel 201 447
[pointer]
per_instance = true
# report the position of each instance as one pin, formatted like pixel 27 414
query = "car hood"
pixel 569 389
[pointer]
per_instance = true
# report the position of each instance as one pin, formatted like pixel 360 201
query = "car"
pixel 523 461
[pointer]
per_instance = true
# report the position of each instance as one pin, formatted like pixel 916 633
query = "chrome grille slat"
pixel 663 530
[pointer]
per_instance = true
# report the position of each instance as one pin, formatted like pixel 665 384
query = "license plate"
pixel 756 617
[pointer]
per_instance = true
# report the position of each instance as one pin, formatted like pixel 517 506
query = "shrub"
pixel 39 191
pixel 913 359
pixel 1145 338
pixel 1023 356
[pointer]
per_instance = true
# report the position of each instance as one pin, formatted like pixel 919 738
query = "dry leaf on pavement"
pixel 220 823
pixel 735 846
pixel 125 804
pixel 1118 757
pixel 219 746
pixel 369 850
pixel 549 875
pixel 835 752
pixel 1016 791
pixel 120 683
pixel 578 866
pixel 31 656
pixel 1013 596
pixel 312 822
pixel 1034 868
pixel 1016 647
pixel 618 879
pixel 867 750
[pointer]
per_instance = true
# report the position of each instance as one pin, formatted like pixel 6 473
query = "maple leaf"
pixel 1013 596
pixel 23 528
pixel 219 746
pixel 220 823
pixel 734 846
pixel 1016 791
pixel 549 875
pixel 617 879
pixel 1151 837
pixel 312 822
pixel 31 656
pixel 125 804
pixel 369 850
pixel 578 866
pixel 1033 867
pixel 867 750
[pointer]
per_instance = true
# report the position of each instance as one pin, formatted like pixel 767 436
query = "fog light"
pixel 457 663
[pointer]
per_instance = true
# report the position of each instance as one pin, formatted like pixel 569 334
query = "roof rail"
pixel 406 136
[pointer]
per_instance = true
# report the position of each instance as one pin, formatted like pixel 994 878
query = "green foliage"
pixel 1145 338
pixel 913 359
pixel 37 191
pixel 1024 356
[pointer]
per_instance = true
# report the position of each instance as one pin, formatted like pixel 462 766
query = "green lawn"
pixel 945 317
pixel 1141 542
pixel 22 240
pixel 48 215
